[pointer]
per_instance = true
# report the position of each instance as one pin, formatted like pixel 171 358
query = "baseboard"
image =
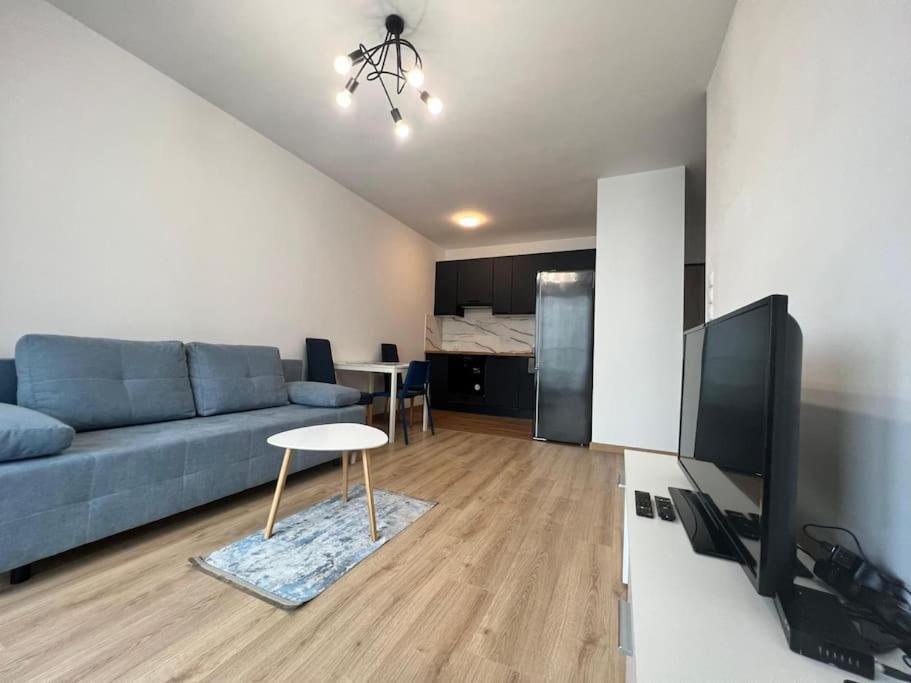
pixel 618 450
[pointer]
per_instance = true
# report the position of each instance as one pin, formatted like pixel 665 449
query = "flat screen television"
pixel 739 417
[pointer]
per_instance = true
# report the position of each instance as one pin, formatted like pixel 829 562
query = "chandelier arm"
pixel 399 80
pixel 385 53
pixel 377 75
pixel 417 57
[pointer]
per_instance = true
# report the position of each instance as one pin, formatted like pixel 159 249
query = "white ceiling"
pixel 541 97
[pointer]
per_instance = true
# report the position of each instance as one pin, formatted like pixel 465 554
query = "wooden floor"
pixel 514 427
pixel 514 575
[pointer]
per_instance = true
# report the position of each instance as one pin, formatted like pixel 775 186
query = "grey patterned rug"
pixel 313 548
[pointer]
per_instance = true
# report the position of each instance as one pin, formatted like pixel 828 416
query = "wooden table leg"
pixel 345 476
pixel 365 456
pixel 279 489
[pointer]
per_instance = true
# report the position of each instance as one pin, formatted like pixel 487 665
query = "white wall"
pixel 639 310
pixel 809 195
pixel 538 247
pixel 130 207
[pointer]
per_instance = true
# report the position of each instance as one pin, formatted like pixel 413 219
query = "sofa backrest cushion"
pixel 26 433
pixel 228 379
pixel 91 383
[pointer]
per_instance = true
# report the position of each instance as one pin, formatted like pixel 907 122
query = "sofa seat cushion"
pixel 229 379
pixel 91 383
pixel 26 433
pixel 322 395
pixel 117 479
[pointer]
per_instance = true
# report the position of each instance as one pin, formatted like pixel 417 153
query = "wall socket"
pixel 710 296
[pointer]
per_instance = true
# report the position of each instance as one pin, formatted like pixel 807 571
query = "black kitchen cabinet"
pixel 445 291
pixel 526 394
pixel 439 379
pixel 501 386
pixel 508 386
pixel 502 285
pixel 582 259
pixel 508 284
pixel 475 282
pixel 524 281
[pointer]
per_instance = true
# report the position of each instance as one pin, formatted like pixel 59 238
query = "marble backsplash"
pixel 480 331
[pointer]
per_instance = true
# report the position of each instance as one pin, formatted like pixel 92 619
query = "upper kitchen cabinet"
pixel 582 259
pixel 502 285
pixel 445 291
pixel 475 282
pixel 525 271
pixel 508 284
pixel 524 281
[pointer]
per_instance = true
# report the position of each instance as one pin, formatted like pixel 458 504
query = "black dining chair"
pixel 321 368
pixel 417 383
pixel 389 353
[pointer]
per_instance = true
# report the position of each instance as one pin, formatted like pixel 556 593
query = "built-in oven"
pixel 466 378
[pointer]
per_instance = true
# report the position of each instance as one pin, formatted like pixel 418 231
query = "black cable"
pixel 850 533
pixel 893 673
pixel 885 578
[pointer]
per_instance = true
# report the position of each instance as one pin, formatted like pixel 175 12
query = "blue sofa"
pixel 160 427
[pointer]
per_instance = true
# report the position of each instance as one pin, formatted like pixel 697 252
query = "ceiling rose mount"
pixel 395 63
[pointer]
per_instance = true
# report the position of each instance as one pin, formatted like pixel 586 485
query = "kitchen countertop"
pixel 517 354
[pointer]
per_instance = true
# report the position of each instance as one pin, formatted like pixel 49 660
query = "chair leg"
pixel 411 411
pixel 404 419
pixel 429 414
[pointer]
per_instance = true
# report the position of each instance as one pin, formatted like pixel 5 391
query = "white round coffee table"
pixel 342 436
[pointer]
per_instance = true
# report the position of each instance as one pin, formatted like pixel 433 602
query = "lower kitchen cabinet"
pixel 507 387
pixel 501 383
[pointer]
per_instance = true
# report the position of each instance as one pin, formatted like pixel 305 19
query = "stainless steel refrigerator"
pixel 564 343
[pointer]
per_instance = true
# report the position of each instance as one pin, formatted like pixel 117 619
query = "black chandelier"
pixel 374 61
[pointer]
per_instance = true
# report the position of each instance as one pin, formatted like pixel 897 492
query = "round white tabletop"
pixel 340 436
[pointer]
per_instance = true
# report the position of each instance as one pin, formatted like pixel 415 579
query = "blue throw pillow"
pixel 26 433
pixel 322 395
pixel 230 378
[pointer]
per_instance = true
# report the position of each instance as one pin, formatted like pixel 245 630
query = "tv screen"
pixel 738 421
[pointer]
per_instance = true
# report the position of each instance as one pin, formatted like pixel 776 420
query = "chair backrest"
pixel 418 375
pixel 320 367
pixel 389 353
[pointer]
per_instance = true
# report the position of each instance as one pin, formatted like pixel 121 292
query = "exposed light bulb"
pixel 416 77
pixel 342 64
pixel 434 104
pixel 343 99
pixel 402 130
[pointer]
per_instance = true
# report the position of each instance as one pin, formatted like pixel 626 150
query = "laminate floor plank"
pixel 512 576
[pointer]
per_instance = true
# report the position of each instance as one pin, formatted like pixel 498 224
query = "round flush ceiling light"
pixel 469 219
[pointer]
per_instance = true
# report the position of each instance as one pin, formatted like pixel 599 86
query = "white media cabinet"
pixel 690 617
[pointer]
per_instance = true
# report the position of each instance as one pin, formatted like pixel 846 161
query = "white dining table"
pixel 372 368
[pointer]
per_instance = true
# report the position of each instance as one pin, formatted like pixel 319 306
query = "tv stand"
pixel 705 534
pixel 690 617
